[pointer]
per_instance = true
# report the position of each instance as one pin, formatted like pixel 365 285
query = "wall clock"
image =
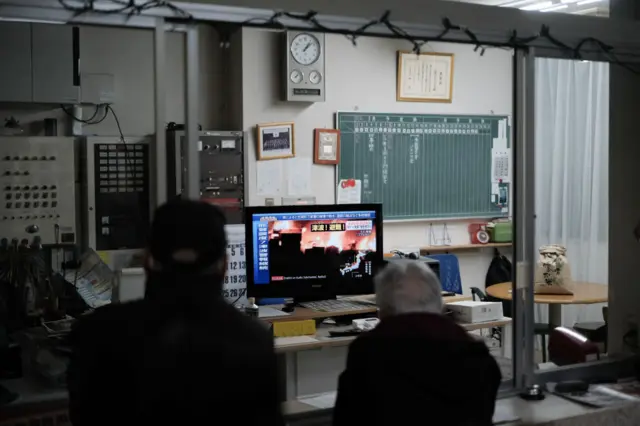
pixel 304 67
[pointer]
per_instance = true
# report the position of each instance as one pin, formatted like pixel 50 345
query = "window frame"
pixel 423 19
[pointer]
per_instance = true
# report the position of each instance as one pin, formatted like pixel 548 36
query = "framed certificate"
pixel 275 140
pixel 326 146
pixel 425 77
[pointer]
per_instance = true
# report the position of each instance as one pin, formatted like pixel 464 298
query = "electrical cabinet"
pixel 15 62
pixel 55 64
pixel 39 63
pixel 37 184
pixel 118 197
pixel 221 180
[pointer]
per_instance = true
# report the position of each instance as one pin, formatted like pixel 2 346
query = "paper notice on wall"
pixel 349 191
pixel 495 189
pixel 235 281
pixel 299 176
pixel 501 165
pixel 269 177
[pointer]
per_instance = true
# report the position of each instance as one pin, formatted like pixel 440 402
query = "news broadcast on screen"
pixel 313 246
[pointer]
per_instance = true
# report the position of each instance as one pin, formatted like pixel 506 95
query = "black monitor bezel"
pixel 298 290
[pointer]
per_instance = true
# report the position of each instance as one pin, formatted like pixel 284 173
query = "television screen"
pixel 332 250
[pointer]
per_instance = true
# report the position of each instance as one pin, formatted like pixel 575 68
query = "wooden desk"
pixel 584 294
pixel 289 355
pixel 324 341
pixel 300 313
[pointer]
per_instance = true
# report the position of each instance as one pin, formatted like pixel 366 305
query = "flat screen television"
pixel 313 252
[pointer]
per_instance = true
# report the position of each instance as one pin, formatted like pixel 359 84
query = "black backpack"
pixel 499 272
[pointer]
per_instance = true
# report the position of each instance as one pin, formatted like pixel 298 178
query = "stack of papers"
pixel 269 312
pixel 504 413
pixel 295 340
pixel 322 401
pixel 601 396
pixel 93 280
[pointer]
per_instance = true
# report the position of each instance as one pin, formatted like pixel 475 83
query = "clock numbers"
pixel 305 49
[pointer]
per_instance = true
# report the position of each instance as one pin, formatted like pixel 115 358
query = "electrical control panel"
pixel 221 179
pixel 37 180
pixel 118 197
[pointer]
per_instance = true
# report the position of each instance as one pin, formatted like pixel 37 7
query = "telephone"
pixel 478 233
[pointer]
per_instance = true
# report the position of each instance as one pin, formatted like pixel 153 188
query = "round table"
pixel 583 294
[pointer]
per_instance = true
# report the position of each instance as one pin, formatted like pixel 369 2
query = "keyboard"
pixel 334 305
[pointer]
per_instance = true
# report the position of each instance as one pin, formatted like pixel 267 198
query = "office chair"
pixel 595 331
pixel 539 328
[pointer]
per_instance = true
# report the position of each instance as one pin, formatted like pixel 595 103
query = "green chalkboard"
pixel 422 166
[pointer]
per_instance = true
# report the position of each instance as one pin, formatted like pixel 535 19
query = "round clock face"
pixel 296 76
pixel 305 49
pixel 315 77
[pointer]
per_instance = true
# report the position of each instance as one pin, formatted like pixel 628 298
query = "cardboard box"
pixel 473 312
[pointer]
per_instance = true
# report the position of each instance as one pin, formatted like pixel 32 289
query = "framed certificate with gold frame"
pixel 275 140
pixel 425 77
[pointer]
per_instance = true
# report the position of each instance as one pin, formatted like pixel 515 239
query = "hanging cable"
pixel 90 120
pixel 311 19
pixel 128 7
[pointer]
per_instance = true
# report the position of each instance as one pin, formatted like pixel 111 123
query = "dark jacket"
pixel 152 363
pixel 417 369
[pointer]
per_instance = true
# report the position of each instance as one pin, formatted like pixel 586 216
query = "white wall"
pixel 128 55
pixel 364 78
pixel 361 77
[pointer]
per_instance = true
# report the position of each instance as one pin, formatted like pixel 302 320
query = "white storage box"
pixel 472 312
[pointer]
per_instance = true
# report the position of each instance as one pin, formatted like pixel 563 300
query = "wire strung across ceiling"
pixel 133 8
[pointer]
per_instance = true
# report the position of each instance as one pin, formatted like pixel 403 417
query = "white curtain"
pixel 572 170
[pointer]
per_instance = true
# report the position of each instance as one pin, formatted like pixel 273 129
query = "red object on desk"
pixel 478 233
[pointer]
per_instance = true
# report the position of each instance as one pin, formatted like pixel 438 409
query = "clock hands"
pixel 306 47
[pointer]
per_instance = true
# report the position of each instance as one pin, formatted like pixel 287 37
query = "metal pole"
pixel 524 214
pixel 192 165
pixel 77 126
pixel 160 152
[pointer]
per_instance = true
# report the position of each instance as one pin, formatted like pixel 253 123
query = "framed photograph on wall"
pixel 275 140
pixel 424 77
pixel 326 146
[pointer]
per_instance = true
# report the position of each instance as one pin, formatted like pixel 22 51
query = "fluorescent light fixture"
pixel 538 6
pixel 568 1
pixel 590 11
pixel 554 8
pixel 31 21
pixel 583 2
pixel 516 3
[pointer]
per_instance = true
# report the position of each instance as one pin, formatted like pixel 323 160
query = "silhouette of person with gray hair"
pixel 416 363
